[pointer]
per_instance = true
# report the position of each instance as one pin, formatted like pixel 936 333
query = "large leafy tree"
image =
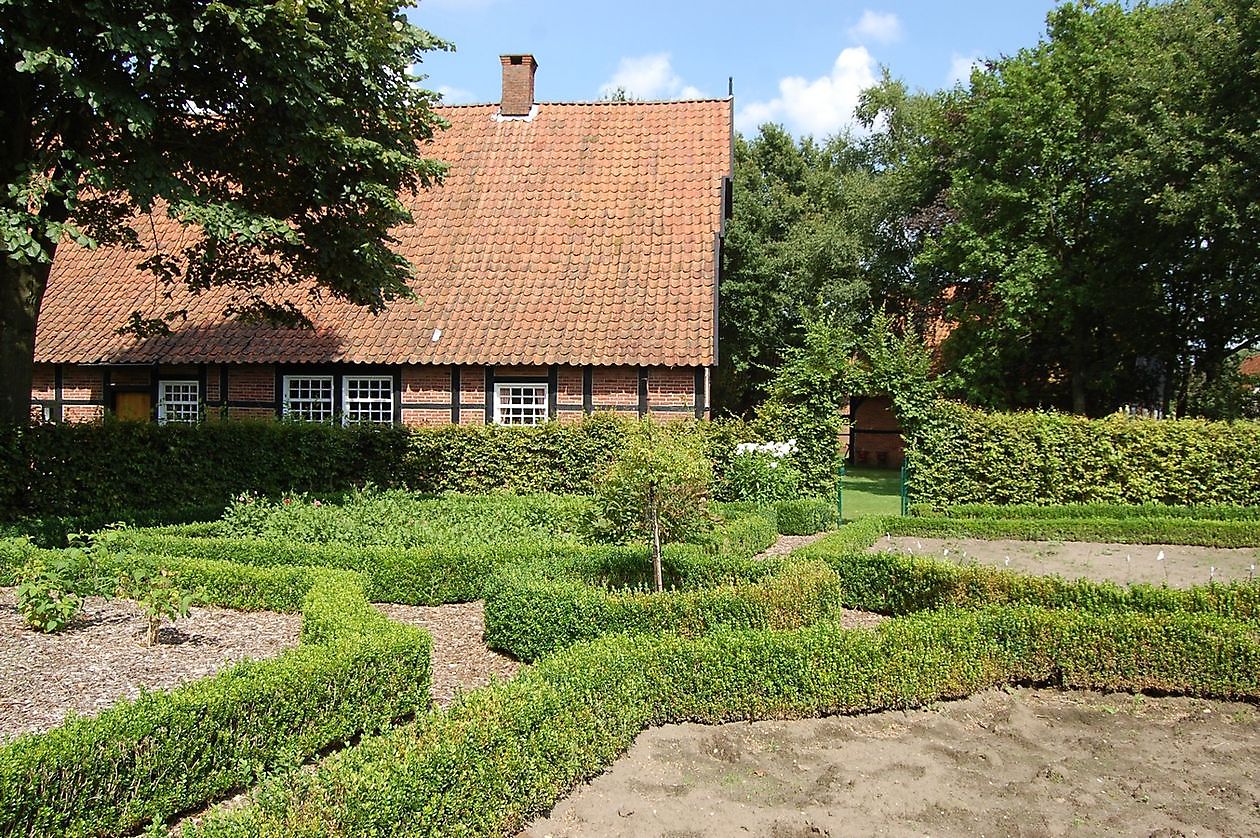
pixel 282 132
pixel 1103 245
pixel 795 247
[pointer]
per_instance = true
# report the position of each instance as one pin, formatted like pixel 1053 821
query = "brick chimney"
pixel 518 85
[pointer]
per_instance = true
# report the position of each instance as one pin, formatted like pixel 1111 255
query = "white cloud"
pixel 649 77
pixel 455 95
pixel 820 107
pixel 873 26
pixel 960 67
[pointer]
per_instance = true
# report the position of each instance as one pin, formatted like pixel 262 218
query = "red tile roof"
pixel 582 236
pixel 1251 365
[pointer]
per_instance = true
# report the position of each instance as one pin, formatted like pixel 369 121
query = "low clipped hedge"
pixel 965 455
pixel 534 609
pixel 1126 530
pixel 54 531
pixel 894 583
pixel 140 761
pixel 423 575
pixel 1114 511
pixel 509 751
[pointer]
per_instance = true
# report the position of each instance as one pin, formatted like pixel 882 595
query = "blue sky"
pixel 800 64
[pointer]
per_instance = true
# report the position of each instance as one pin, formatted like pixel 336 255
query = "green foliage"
pixel 804 517
pixel 761 477
pixel 894 583
pixel 116 468
pixel 397 518
pixel 507 752
pixel 962 455
pixel 144 760
pixel 118 111
pixel 1080 511
pixel 660 484
pixel 155 589
pixel 45 594
pixel 1103 244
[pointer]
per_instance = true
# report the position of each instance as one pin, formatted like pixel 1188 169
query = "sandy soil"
pixel 1123 564
pixel 103 657
pixel 1024 762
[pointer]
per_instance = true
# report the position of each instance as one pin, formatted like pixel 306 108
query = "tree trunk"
pixel 21 293
pixel 657 576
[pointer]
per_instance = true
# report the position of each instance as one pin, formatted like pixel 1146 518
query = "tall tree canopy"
pixel 1085 212
pixel 1104 246
pixel 283 132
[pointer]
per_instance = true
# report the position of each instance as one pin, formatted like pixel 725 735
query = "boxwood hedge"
pixel 507 752
pixel 895 583
pixel 354 672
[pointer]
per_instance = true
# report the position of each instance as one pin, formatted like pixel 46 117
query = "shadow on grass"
pixel 871 491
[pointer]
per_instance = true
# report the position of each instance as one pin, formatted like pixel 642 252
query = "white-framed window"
pixel 179 401
pixel 367 398
pixel 520 404
pixel 308 397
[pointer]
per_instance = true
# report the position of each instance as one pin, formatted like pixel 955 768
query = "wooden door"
pixel 134 407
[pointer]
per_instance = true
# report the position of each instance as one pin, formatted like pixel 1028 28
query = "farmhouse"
pixel 568 264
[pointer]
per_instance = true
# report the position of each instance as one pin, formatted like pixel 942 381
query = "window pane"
pixel 521 404
pixel 369 399
pixel 179 401
pixel 309 398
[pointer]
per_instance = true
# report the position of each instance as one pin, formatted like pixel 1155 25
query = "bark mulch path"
pixel 848 618
pixel 461 660
pixel 102 657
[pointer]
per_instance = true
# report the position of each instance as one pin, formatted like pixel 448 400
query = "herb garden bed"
pixel 1181 566
pixel 103 657
pixel 1001 762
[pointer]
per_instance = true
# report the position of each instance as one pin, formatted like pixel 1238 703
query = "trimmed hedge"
pixel 116 468
pixel 1088 510
pixel 961 455
pixel 509 751
pixel 1221 533
pixel 144 760
pixel 532 610
pixel 804 517
pixel 893 583
pixel 423 575
pixel 54 531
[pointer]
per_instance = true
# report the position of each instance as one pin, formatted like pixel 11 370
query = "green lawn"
pixel 871 491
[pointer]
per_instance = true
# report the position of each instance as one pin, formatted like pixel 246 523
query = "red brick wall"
pixel 427 384
pixel 131 376
pixel 673 387
pixel 82 412
pixel 472 391
pixel 82 384
pixel 568 388
pixel 616 388
pixel 252 383
pixel 43 382
pixel 250 412
pixel 425 416
pixel 212 385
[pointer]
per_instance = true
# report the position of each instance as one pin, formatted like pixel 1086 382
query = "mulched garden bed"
pixel 102 657
pixel 461 661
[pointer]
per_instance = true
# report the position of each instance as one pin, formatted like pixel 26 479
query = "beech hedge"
pixel 961 455
pixel 121 469
pixel 141 761
pixel 507 752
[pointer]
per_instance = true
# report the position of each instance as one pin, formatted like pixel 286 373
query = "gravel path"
pixel 461 661
pixel 102 657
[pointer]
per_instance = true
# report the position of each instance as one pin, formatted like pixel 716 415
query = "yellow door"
pixel 135 407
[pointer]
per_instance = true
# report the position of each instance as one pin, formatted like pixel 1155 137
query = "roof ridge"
pixel 700 100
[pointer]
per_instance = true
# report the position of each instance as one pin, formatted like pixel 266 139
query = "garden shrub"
pixel 961 455
pixel 1128 530
pixel 354 672
pixel 804 517
pixel 506 752
pixel 761 473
